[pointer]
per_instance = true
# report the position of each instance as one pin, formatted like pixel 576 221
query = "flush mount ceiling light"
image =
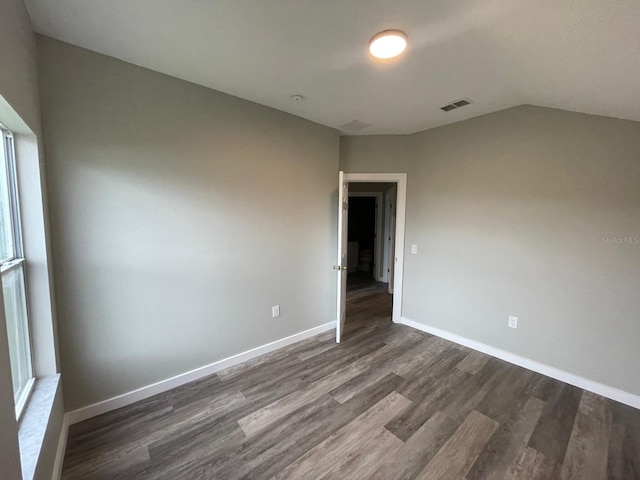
pixel 388 44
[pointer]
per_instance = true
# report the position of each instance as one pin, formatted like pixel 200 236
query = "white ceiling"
pixel 581 55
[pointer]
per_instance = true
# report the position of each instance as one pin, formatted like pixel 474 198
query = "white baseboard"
pixel 62 447
pixel 576 380
pixel 128 398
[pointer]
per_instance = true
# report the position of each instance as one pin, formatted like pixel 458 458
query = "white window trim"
pixel 24 397
pixel 38 413
pixel 18 259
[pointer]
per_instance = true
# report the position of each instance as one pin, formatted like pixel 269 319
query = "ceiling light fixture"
pixel 388 44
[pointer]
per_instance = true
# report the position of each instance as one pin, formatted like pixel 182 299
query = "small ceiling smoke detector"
pixel 297 98
pixel 388 44
pixel 456 104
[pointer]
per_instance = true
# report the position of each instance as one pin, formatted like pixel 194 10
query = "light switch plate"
pixel 275 311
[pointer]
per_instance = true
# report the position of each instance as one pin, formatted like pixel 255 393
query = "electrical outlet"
pixel 275 311
pixel 513 322
pixel 414 249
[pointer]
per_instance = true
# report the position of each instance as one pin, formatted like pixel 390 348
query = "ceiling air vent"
pixel 457 104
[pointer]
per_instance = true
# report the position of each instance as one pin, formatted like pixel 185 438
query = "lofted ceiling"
pixel 580 55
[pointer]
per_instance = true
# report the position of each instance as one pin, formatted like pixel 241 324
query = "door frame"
pixel 389 231
pixel 377 243
pixel 400 179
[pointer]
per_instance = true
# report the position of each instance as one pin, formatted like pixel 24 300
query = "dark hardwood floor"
pixel 388 403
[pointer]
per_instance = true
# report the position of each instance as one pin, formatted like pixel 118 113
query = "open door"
pixel 341 267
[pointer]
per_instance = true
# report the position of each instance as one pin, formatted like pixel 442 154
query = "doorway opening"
pixel 369 295
pixel 371 225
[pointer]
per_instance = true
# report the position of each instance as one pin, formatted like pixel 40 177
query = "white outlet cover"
pixel 414 249
pixel 513 322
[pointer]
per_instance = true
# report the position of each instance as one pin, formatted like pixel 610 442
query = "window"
pixel 12 266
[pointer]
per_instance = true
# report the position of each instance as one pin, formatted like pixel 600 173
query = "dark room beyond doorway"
pixel 362 225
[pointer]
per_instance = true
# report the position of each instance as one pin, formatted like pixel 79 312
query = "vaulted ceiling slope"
pixel 580 55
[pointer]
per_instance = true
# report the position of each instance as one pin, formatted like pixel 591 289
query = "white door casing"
pixel 392 227
pixel 388 235
pixel 398 227
pixel 341 267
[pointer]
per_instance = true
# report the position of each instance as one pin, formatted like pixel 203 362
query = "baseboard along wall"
pixel 62 447
pixel 564 376
pixel 142 393
pixel 128 398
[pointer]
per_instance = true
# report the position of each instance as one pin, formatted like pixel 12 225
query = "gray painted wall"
pixel 180 217
pixel 517 213
pixel 377 153
pixel 19 90
pixel 19 75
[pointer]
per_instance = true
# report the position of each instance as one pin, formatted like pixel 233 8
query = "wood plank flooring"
pixel 388 403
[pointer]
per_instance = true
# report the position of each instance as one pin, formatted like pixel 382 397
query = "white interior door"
pixel 341 267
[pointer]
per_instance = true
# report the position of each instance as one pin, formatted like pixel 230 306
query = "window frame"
pixel 17 260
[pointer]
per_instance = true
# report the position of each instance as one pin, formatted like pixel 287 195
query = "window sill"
pixel 34 421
